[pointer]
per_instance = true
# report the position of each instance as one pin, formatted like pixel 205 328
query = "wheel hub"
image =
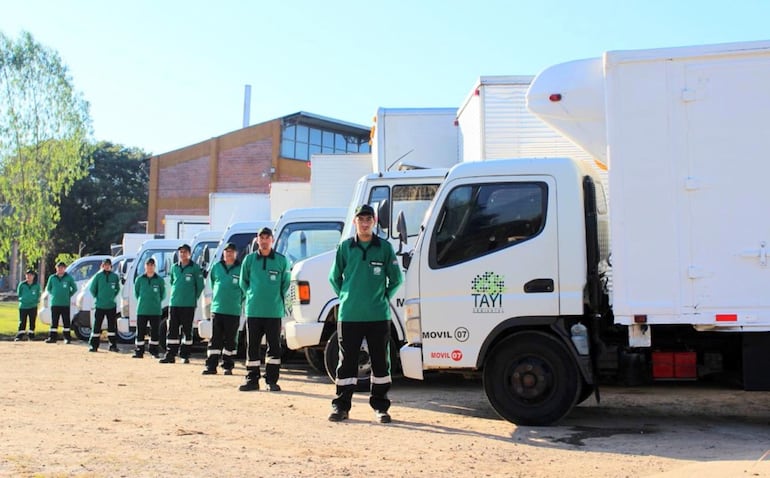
pixel 529 380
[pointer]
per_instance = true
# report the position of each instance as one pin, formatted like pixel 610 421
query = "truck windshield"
pixel 301 240
pixel 164 258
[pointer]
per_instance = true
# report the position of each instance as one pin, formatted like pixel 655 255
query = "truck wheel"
pixel 315 358
pixel 530 379
pixel 127 338
pixel 331 358
pixel 81 325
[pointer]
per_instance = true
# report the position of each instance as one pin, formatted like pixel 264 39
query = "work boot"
pixel 153 351
pixel 251 384
pixel 167 359
pixel 338 415
pixel 382 416
pixel 51 338
pixel 209 371
pixel 228 371
pixel 31 335
pixel 273 387
pixel 114 348
pixel 67 337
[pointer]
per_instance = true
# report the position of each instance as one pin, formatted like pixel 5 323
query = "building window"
pixel 301 142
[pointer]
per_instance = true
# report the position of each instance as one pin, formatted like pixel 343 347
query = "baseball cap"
pixel 61 264
pixel 231 246
pixel 184 246
pixel 31 271
pixel 365 210
pixel 107 261
pixel 266 231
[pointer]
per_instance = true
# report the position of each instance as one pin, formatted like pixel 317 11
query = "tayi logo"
pixel 487 293
pixel 456 355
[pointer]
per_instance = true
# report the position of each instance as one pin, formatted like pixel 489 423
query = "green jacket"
pixel 227 296
pixel 186 285
pixel 29 295
pixel 61 289
pixel 104 286
pixel 365 276
pixel 265 280
pixel 149 293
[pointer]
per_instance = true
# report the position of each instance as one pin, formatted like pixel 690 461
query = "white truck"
pixel 81 270
pixel 511 275
pixel 299 233
pixel 184 226
pixel 314 304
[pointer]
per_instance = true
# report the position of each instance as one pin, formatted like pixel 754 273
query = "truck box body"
pixel 422 137
pixel 687 134
pixel 288 195
pixel 334 176
pixel 228 208
pixel 184 226
pixel 494 123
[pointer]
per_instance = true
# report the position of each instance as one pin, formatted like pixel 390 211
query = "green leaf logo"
pixel 488 283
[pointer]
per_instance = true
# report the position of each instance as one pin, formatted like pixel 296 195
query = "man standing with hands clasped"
pixel 61 287
pixel 104 286
pixel 186 287
pixel 264 280
pixel 226 305
pixel 365 275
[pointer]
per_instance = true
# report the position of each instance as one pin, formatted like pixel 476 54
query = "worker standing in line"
pixel 226 306
pixel 104 287
pixel 186 288
pixel 28 292
pixel 264 280
pixel 149 291
pixel 365 275
pixel 61 287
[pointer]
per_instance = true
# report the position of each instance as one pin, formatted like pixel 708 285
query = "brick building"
pixel 245 161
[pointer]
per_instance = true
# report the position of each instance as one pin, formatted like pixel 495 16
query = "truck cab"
pixel 312 325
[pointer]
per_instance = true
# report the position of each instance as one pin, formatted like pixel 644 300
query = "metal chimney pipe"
pixel 246 105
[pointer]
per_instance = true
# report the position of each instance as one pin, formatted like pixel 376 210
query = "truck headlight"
pixel 413 325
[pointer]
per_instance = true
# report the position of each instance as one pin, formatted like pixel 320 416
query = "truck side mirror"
pixel 383 214
pixel 406 258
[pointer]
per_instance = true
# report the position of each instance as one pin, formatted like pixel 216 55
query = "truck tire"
pixel 127 338
pixel 530 379
pixel 331 358
pixel 81 325
pixel 315 358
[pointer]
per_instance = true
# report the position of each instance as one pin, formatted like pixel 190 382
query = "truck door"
pixel 727 191
pixel 492 255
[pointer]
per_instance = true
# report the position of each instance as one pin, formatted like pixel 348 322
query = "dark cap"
pixel 231 247
pixel 266 231
pixel 107 261
pixel 364 210
pixel 185 247
pixel 61 264
pixel 150 260
pixel 31 271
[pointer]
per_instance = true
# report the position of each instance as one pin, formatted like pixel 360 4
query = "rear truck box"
pixel 511 277
pixel 228 208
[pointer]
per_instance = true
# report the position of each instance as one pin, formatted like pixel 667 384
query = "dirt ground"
pixel 65 412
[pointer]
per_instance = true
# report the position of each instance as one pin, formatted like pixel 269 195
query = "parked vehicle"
pixel 312 325
pixel 84 301
pixel 81 270
pixel 511 276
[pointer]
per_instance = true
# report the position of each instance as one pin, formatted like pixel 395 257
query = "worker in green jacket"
pixel 104 287
pixel 226 306
pixel 365 275
pixel 264 280
pixel 186 288
pixel 60 287
pixel 149 291
pixel 28 292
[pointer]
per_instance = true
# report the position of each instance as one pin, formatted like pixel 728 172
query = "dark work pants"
pixel 349 336
pixel 224 328
pixel 25 314
pixel 141 333
pixel 180 327
pixel 96 327
pixel 63 312
pixel 270 328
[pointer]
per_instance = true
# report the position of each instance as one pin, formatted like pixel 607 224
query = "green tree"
pixel 109 201
pixel 44 124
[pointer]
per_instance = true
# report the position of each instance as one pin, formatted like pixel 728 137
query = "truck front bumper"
pixel 299 335
pixel 411 361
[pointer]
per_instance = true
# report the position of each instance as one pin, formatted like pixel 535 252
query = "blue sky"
pixel 164 74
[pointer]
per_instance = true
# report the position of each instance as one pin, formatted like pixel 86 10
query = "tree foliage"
pixel 44 124
pixel 109 201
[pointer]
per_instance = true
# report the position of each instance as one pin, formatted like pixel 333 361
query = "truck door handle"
pixel 538 285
